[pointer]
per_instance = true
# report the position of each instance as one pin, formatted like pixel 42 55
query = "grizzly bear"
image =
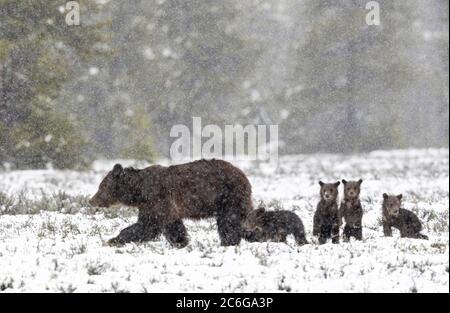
pixel 165 196
pixel 261 225
pixel 394 216
pixel 351 210
pixel 326 218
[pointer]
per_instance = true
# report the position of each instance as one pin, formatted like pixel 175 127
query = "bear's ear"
pixel 337 183
pixel 344 181
pixel 321 183
pixel 360 181
pixel 385 196
pixel 117 170
pixel 260 210
pixel 399 197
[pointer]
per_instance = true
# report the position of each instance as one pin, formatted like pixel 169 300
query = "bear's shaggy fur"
pixel 261 225
pixel 394 216
pixel 351 210
pixel 326 218
pixel 167 195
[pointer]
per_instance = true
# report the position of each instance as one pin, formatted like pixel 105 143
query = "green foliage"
pixel 175 58
pixel 38 55
pixel 45 137
pixel 137 134
pixel 351 74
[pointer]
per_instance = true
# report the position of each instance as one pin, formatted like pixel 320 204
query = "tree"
pixel 38 52
pixel 176 59
pixel 350 76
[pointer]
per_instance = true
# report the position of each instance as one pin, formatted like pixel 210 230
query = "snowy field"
pixel 51 241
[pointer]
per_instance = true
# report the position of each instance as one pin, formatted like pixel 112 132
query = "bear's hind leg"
pixel 232 210
pixel 176 234
pixel 230 229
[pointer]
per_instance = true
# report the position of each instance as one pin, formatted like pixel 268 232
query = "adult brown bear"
pixel 167 195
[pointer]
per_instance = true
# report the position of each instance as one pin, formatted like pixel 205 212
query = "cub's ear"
pixel 260 211
pixel 399 197
pixel 337 183
pixel 344 181
pixel 117 170
pixel 385 196
pixel 321 183
pixel 360 181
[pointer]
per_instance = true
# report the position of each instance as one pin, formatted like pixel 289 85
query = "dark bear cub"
pixel 394 216
pixel 351 210
pixel 261 225
pixel 326 218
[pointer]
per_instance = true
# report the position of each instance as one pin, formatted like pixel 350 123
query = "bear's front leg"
pixel 145 229
pixel 133 233
pixel 176 234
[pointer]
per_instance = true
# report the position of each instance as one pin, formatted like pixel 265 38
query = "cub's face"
pixel 106 195
pixel 352 188
pixel 253 222
pixel 392 204
pixel 329 192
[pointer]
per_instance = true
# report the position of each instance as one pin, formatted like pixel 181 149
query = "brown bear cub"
pixel 261 225
pixel 326 218
pixel 394 216
pixel 351 210
pixel 167 195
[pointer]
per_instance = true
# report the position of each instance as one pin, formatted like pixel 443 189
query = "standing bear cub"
pixel 351 210
pixel 261 225
pixel 167 195
pixel 326 218
pixel 394 216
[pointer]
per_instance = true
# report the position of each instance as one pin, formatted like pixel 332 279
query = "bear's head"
pixel 116 188
pixel 253 222
pixel 329 192
pixel 392 204
pixel 352 189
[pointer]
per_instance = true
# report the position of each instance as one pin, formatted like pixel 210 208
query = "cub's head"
pixel 253 222
pixel 329 192
pixel 108 193
pixel 392 204
pixel 352 188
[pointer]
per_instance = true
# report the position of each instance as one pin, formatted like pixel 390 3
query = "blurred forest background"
pixel 115 85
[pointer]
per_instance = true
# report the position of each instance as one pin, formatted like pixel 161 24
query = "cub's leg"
pixel 358 233
pixel 324 234
pixel 335 233
pixel 347 233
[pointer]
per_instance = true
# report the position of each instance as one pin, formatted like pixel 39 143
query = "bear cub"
pixel 261 225
pixel 394 216
pixel 351 210
pixel 326 218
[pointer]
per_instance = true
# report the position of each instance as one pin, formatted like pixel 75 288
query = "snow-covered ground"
pixel 50 241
